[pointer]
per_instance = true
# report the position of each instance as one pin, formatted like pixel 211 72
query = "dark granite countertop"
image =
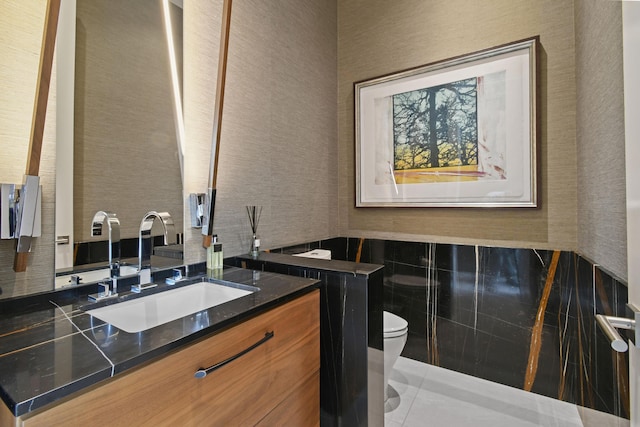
pixel 51 348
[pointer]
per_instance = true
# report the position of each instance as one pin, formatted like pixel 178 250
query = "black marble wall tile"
pixel 480 310
pixel 338 247
pixel 98 251
pixel 605 372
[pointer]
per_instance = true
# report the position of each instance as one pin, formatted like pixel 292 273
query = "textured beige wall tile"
pixel 600 138
pixel 20 39
pixel 201 39
pixel 278 143
pixel 381 37
pixel 21 24
pixel 125 148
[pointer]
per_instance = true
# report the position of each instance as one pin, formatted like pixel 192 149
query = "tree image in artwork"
pixel 441 133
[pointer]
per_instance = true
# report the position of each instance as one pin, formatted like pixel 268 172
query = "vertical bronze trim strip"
pixel 359 253
pixel 217 117
pixel 536 333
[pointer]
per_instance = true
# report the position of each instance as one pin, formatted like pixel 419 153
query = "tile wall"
pixel 519 317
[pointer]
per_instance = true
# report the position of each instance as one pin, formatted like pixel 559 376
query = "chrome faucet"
pixel 144 246
pixel 97 224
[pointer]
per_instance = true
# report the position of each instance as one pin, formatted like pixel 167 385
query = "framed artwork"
pixel 456 133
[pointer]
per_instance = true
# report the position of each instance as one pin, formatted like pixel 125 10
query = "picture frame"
pixel 455 133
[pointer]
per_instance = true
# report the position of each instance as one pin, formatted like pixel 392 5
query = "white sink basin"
pixel 147 312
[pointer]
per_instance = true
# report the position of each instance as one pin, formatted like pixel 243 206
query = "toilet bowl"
pixel 395 337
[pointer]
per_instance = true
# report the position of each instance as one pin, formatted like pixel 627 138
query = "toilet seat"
pixel 393 325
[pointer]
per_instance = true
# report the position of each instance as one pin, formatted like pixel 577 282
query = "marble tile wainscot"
pixel 473 309
pixel 351 391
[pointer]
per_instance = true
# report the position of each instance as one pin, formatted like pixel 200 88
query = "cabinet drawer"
pixel 299 409
pixel 242 392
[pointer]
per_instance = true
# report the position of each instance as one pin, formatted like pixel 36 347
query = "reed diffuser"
pixel 254 213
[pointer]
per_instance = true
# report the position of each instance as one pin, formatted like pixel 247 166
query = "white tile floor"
pixel 423 395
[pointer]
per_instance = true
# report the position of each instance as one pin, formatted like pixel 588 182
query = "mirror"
pixel 125 140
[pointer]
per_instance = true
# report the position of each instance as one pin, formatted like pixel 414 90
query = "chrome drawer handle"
pixel 202 372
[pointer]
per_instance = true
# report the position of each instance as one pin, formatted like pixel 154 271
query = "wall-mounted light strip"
pixel 175 83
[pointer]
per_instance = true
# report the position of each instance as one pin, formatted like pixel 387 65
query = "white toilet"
pixel 395 337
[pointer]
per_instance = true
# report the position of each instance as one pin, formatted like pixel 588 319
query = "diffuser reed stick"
pixel 254 212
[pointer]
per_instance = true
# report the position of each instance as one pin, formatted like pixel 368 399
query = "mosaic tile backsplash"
pixel 519 317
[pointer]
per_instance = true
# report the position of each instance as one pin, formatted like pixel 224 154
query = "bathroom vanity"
pixel 61 366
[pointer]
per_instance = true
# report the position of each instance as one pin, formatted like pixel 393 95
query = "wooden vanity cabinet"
pixel 274 384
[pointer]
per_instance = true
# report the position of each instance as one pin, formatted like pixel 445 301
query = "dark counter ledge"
pixel 333 265
pixel 51 348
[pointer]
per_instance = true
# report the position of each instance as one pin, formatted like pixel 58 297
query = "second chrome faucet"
pixel 145 246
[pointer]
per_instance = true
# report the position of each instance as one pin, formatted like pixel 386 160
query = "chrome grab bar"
pixel 608 324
